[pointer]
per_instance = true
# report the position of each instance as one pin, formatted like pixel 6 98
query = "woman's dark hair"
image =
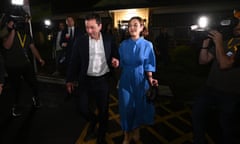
pixel 141 21
pixel 144 30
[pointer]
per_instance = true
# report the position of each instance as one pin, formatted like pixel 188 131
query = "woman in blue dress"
pixel 137 62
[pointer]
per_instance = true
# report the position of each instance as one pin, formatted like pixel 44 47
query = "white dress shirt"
pixel 69 31
pixel 58 47
pixel 97 60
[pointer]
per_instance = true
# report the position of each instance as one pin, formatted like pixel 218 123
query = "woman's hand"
pixel 10 24
pixel 152 81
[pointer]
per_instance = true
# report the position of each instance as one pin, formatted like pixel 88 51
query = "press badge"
pixel 229 53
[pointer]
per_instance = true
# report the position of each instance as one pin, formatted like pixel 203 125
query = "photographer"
pixel 2 68
pixel 2 72
pixel 221 91
pixel 17 43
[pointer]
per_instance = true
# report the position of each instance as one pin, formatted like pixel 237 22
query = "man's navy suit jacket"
pixel 80 57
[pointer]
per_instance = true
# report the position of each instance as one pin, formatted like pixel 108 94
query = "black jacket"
pixel 2 69
pixel 80 57
pixel 68 50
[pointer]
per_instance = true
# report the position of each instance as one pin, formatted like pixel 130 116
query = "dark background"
pixel 71 6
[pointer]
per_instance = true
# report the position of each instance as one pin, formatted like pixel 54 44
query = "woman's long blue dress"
pixel 136 57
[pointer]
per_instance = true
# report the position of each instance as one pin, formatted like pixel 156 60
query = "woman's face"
pixel 135 28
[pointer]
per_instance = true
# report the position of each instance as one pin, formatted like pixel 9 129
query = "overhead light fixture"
pixel 47 22
pixel 17 2
pixel 202 25
pixel 203 22
pixel 194 27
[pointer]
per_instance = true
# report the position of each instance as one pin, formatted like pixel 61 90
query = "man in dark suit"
pixel 92 61
pixel 57 48
pixel 68 36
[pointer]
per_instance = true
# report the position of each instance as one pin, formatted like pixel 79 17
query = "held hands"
pixel 115 62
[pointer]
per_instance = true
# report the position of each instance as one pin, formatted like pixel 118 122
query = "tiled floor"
pixel 172 125
pixel 58 123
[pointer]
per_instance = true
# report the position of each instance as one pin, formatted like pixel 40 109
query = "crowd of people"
pixel 90 57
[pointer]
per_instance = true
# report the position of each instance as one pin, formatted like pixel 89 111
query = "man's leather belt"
pixel 98 77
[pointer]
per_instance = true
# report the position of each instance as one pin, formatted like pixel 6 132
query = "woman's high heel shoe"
pixel 127 138
pixel 136 135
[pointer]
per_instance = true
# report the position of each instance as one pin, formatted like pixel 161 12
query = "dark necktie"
pixel 71 33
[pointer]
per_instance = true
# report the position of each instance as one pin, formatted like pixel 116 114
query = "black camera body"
pixel 224 26
pixel 18 16
pixel 19 21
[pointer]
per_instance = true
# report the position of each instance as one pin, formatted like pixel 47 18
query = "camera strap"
pixel 234 43
pixel 22 43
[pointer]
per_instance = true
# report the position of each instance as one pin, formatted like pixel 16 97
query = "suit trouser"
pixel 94 94
pixel 59 55
pixel 15 77
pixel 227 107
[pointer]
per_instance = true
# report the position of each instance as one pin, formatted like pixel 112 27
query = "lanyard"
pixel 234 43
pixel 22 41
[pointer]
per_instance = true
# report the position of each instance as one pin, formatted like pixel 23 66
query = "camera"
pixel 18 16
pixel 224 26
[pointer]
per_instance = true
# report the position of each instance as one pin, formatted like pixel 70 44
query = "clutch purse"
pixel 152 93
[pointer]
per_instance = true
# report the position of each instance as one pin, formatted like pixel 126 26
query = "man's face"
pixel 61 26
pixel 70 21
pixel 92 28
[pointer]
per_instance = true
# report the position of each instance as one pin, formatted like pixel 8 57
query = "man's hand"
pixel 1 88
pixel 216 37
pixel 69 87
pixel 42 62
pixel 115 62
pixel 206 43
pixel 64 44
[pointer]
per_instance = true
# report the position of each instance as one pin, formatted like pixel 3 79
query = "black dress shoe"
pixel 36 102
pixel 16 112
pixel 90 136
pixel 91 133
